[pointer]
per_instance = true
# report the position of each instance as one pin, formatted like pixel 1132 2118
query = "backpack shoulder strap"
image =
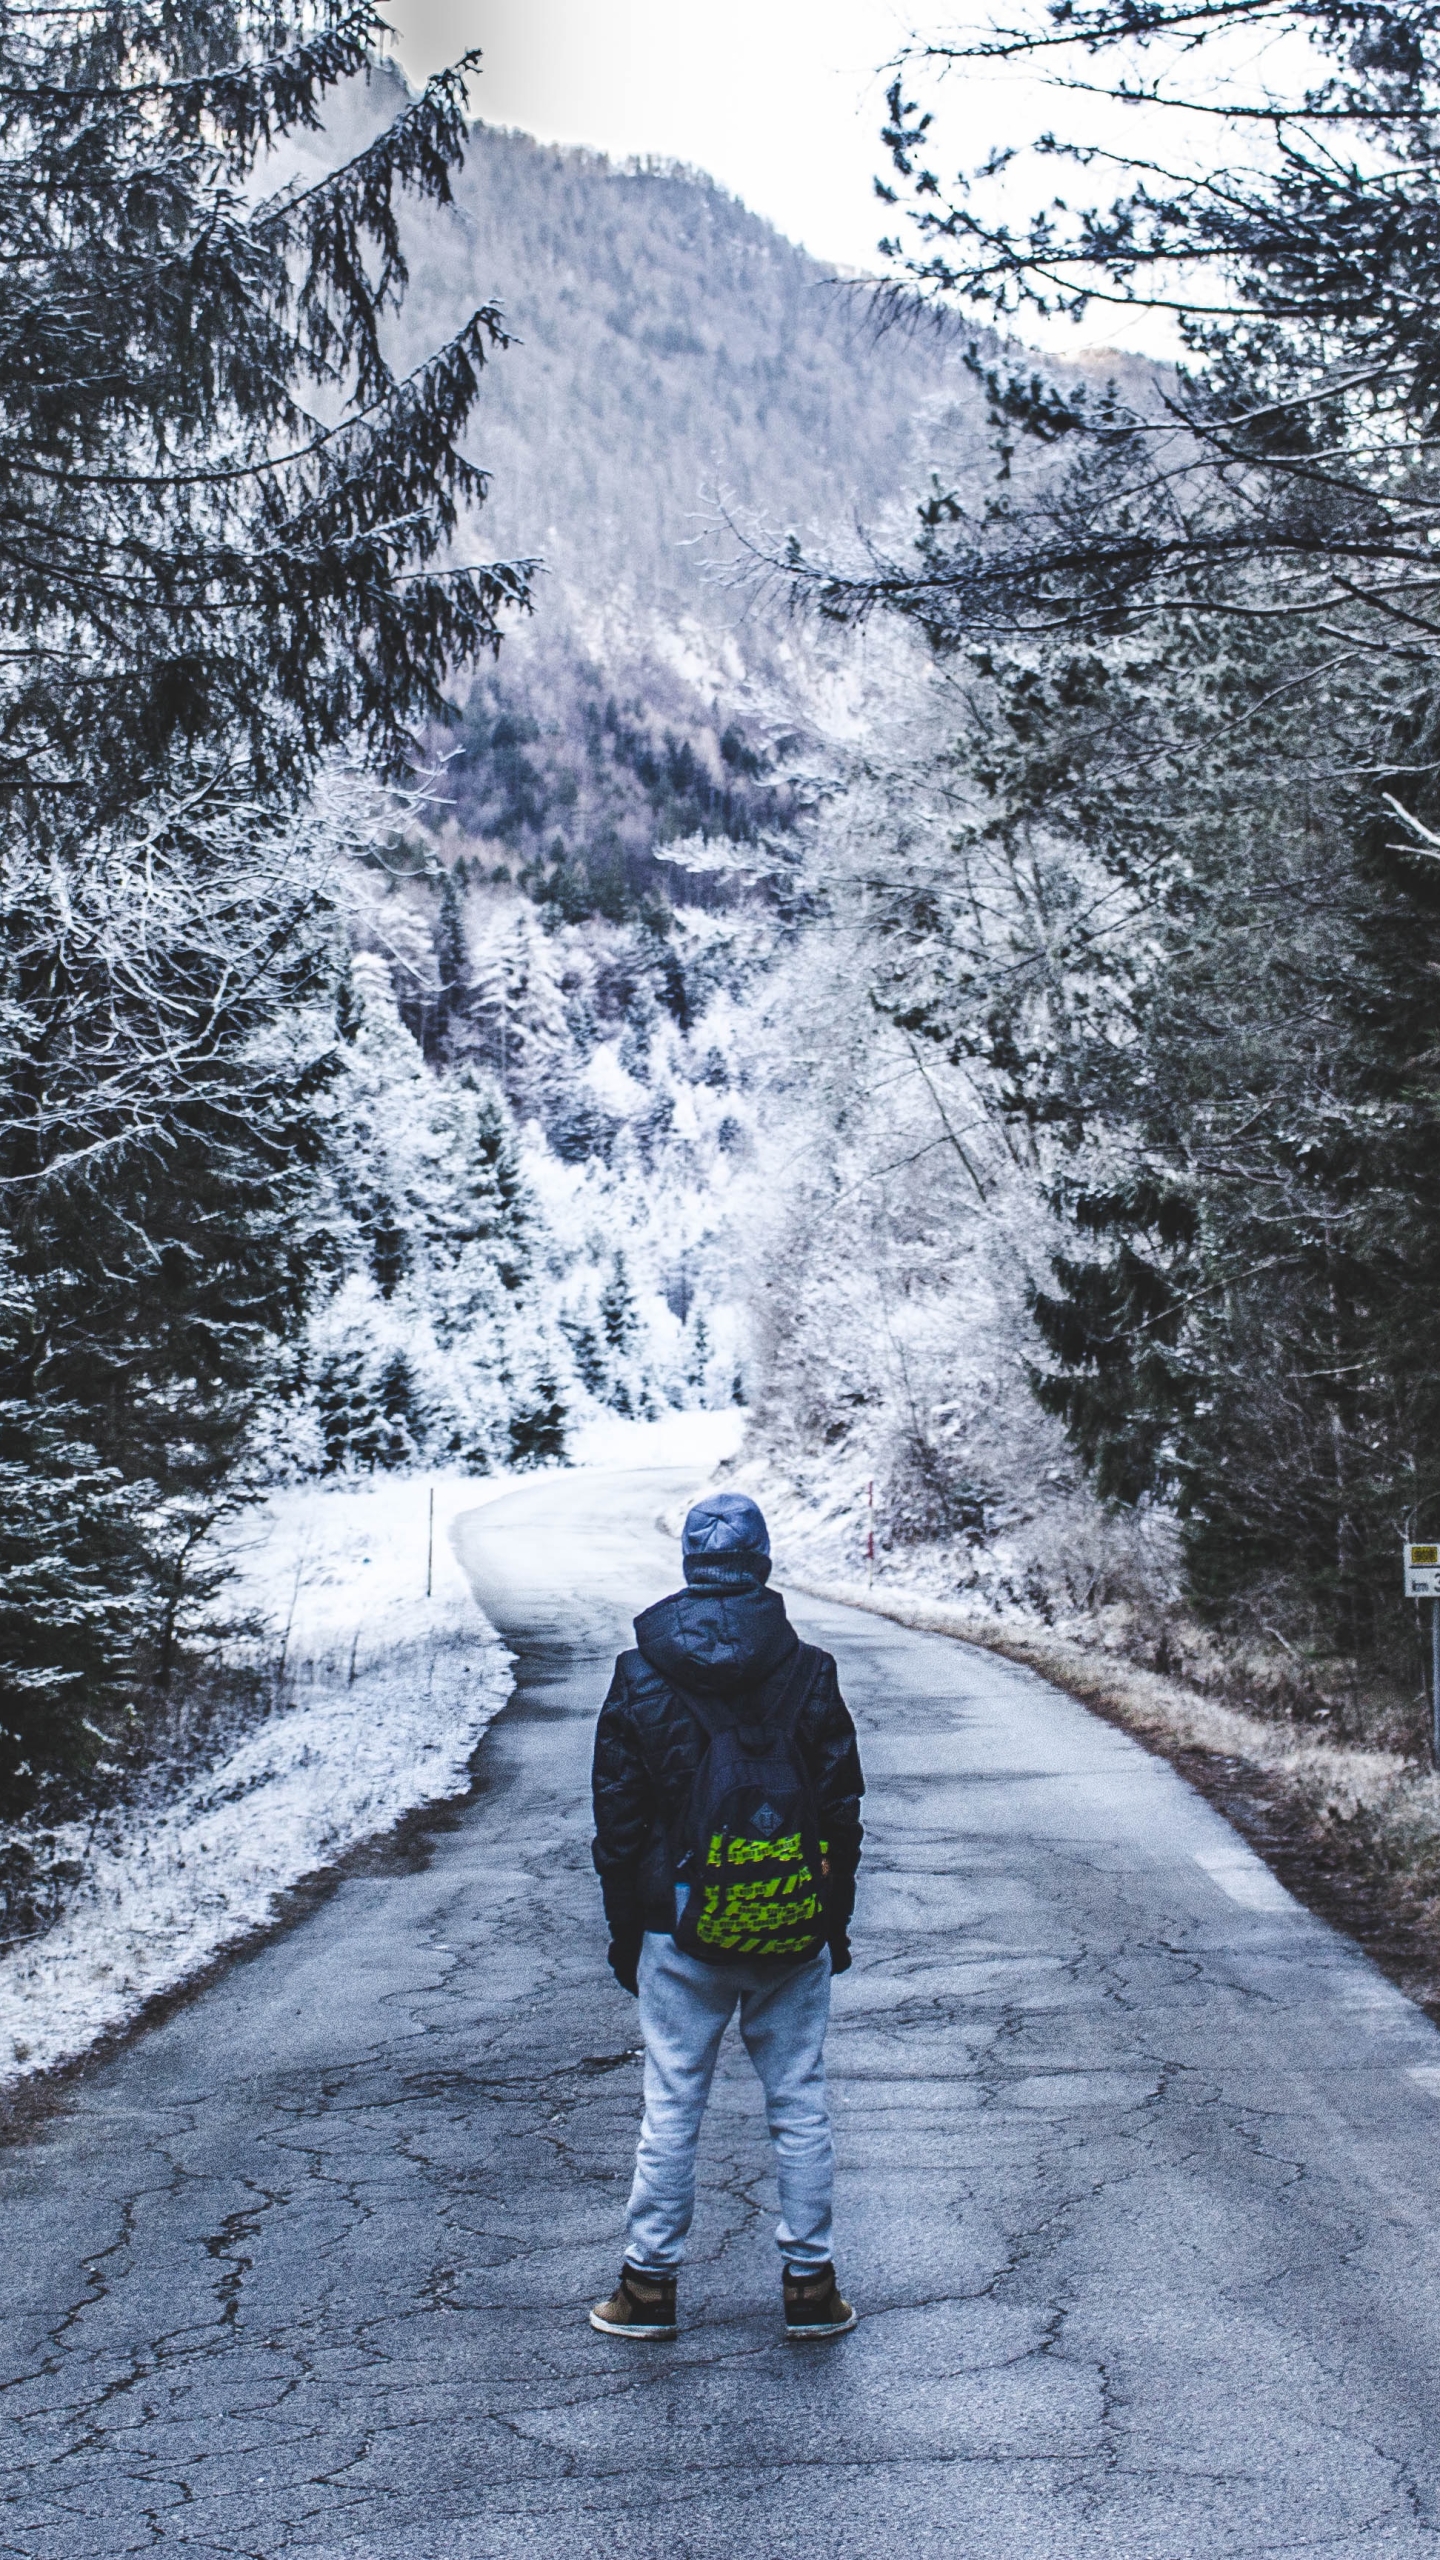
pixel 710 1724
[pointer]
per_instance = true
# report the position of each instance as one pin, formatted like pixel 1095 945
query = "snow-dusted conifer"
pixel 226 524
pixel 452 956
pixel 431 1346
pixel 516 1011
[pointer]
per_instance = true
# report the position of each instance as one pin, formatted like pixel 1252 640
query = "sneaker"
pixel 815 2307
pixel 641 2306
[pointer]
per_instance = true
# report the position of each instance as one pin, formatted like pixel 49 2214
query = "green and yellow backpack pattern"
pixel 752 1859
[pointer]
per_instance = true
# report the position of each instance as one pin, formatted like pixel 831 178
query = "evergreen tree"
pixel 517 1011
pixel 1201 1002
pixel 537 1426
pixel 591 1367
pixel 480 1216
pixel 73 1587
pixel 351 1423
pixel 619 1316
pixel 219 572
pixel 452 956
pixel 400 1403
pixel 697 1366
pixel 619 1326
pixel 227 525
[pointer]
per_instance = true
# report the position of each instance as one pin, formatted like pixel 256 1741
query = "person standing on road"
pixel 727 1790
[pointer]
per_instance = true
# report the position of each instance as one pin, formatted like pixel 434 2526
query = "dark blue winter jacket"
pixel 724 1637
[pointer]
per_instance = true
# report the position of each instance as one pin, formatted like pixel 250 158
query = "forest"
pixel 594 826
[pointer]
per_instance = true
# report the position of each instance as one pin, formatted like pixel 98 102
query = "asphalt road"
pixel 1140 2180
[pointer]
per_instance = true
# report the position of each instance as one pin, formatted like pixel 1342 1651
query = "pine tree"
pixel 351 1424
pixel 537 1426
pixel 399 1401
pixel 619 1326
pixel 591 1367
pixel 227 527
pixel 270 582
pixel 619 1316
pixel 517 1010
pixel 452 957
pixel 74 1588
pixel 480 1215
pixel 697 1365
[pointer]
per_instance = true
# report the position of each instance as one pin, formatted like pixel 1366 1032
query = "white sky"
pixel 780 100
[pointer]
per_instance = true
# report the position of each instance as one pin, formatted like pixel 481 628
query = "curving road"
pixel 1140 2181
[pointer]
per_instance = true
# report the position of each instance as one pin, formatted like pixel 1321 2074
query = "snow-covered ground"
pixel 383 1689
pixel 382 1694
pixel 699 1440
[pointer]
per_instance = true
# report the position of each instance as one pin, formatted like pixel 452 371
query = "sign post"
pixel 1422 1582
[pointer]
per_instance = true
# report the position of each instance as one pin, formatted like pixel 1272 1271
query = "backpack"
pixel 751 1854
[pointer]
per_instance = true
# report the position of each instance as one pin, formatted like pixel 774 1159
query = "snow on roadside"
pixel 386 1693
pixel 703 1441
pixel 387 1688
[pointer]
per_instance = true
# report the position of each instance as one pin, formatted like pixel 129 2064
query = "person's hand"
pixel 839 1955
pixel 625 1965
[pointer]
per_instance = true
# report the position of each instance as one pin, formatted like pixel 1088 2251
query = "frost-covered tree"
pixel 431 1345
pixel 168 1039
pixel 1187 941
pixel 1277 211
pixel 228 555
pixel 516 1016
pixel 452 955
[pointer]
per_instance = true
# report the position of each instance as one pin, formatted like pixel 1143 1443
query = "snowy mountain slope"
pixel 676 368
pixel 616 855
pixel 671 349
pixel 679 371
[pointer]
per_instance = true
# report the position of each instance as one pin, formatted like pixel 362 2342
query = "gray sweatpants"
pixel 685 2007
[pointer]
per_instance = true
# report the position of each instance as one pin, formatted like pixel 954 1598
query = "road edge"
pixel 1338 1860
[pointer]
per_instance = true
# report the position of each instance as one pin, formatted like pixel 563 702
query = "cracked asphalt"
pixel 1139 2178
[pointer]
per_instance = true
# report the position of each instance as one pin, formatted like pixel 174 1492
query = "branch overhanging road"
pixel 1139 2192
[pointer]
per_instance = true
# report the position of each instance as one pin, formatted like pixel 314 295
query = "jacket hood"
pixel 716 1642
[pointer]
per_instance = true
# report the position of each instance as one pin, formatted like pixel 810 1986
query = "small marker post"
pixel 870 1539
pixel 430 1547
pixel 1435 1682
pixel 1422 1582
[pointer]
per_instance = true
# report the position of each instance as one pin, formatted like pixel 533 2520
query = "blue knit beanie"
pixel 725 1535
